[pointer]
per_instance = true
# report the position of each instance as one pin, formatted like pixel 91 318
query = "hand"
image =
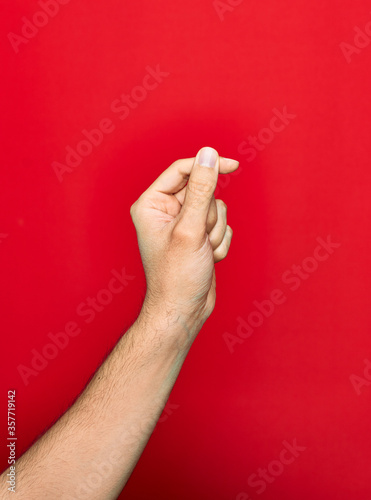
pixel 182 231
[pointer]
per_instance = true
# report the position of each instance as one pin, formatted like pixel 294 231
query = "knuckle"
pixel 220 254
pixel 222 250
pixel 177 163
pixel 212 218
pixel 215 240
pixel 183 233
pixel 200 186
pixel 222 204
pixel 134 209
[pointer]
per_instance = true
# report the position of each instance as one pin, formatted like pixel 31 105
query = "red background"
pixel 290 379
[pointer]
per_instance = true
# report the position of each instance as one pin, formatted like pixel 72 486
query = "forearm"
pixel 110 424
pixel 182 232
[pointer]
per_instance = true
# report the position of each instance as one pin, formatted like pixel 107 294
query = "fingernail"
pixel 207 157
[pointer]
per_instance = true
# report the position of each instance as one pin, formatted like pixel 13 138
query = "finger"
pixel 212 216
pixel 213 212
pixel 221 252
pixel 200 189
pixel 174 178
pixel 217 233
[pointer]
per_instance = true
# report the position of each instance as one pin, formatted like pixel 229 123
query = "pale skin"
pixel 90 452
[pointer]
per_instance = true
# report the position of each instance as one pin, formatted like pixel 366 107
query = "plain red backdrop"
pixel 60 240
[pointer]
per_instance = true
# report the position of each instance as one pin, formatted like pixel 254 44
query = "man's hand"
pixel 182 231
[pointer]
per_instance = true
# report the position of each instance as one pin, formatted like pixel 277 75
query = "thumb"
pixel 200 189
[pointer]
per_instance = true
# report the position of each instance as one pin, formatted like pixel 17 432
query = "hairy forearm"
pixel 182 232
pixel 109 425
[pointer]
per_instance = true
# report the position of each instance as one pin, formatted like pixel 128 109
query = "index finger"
pixel 175 177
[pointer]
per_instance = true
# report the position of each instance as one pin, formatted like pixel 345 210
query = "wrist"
pixel 173 325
